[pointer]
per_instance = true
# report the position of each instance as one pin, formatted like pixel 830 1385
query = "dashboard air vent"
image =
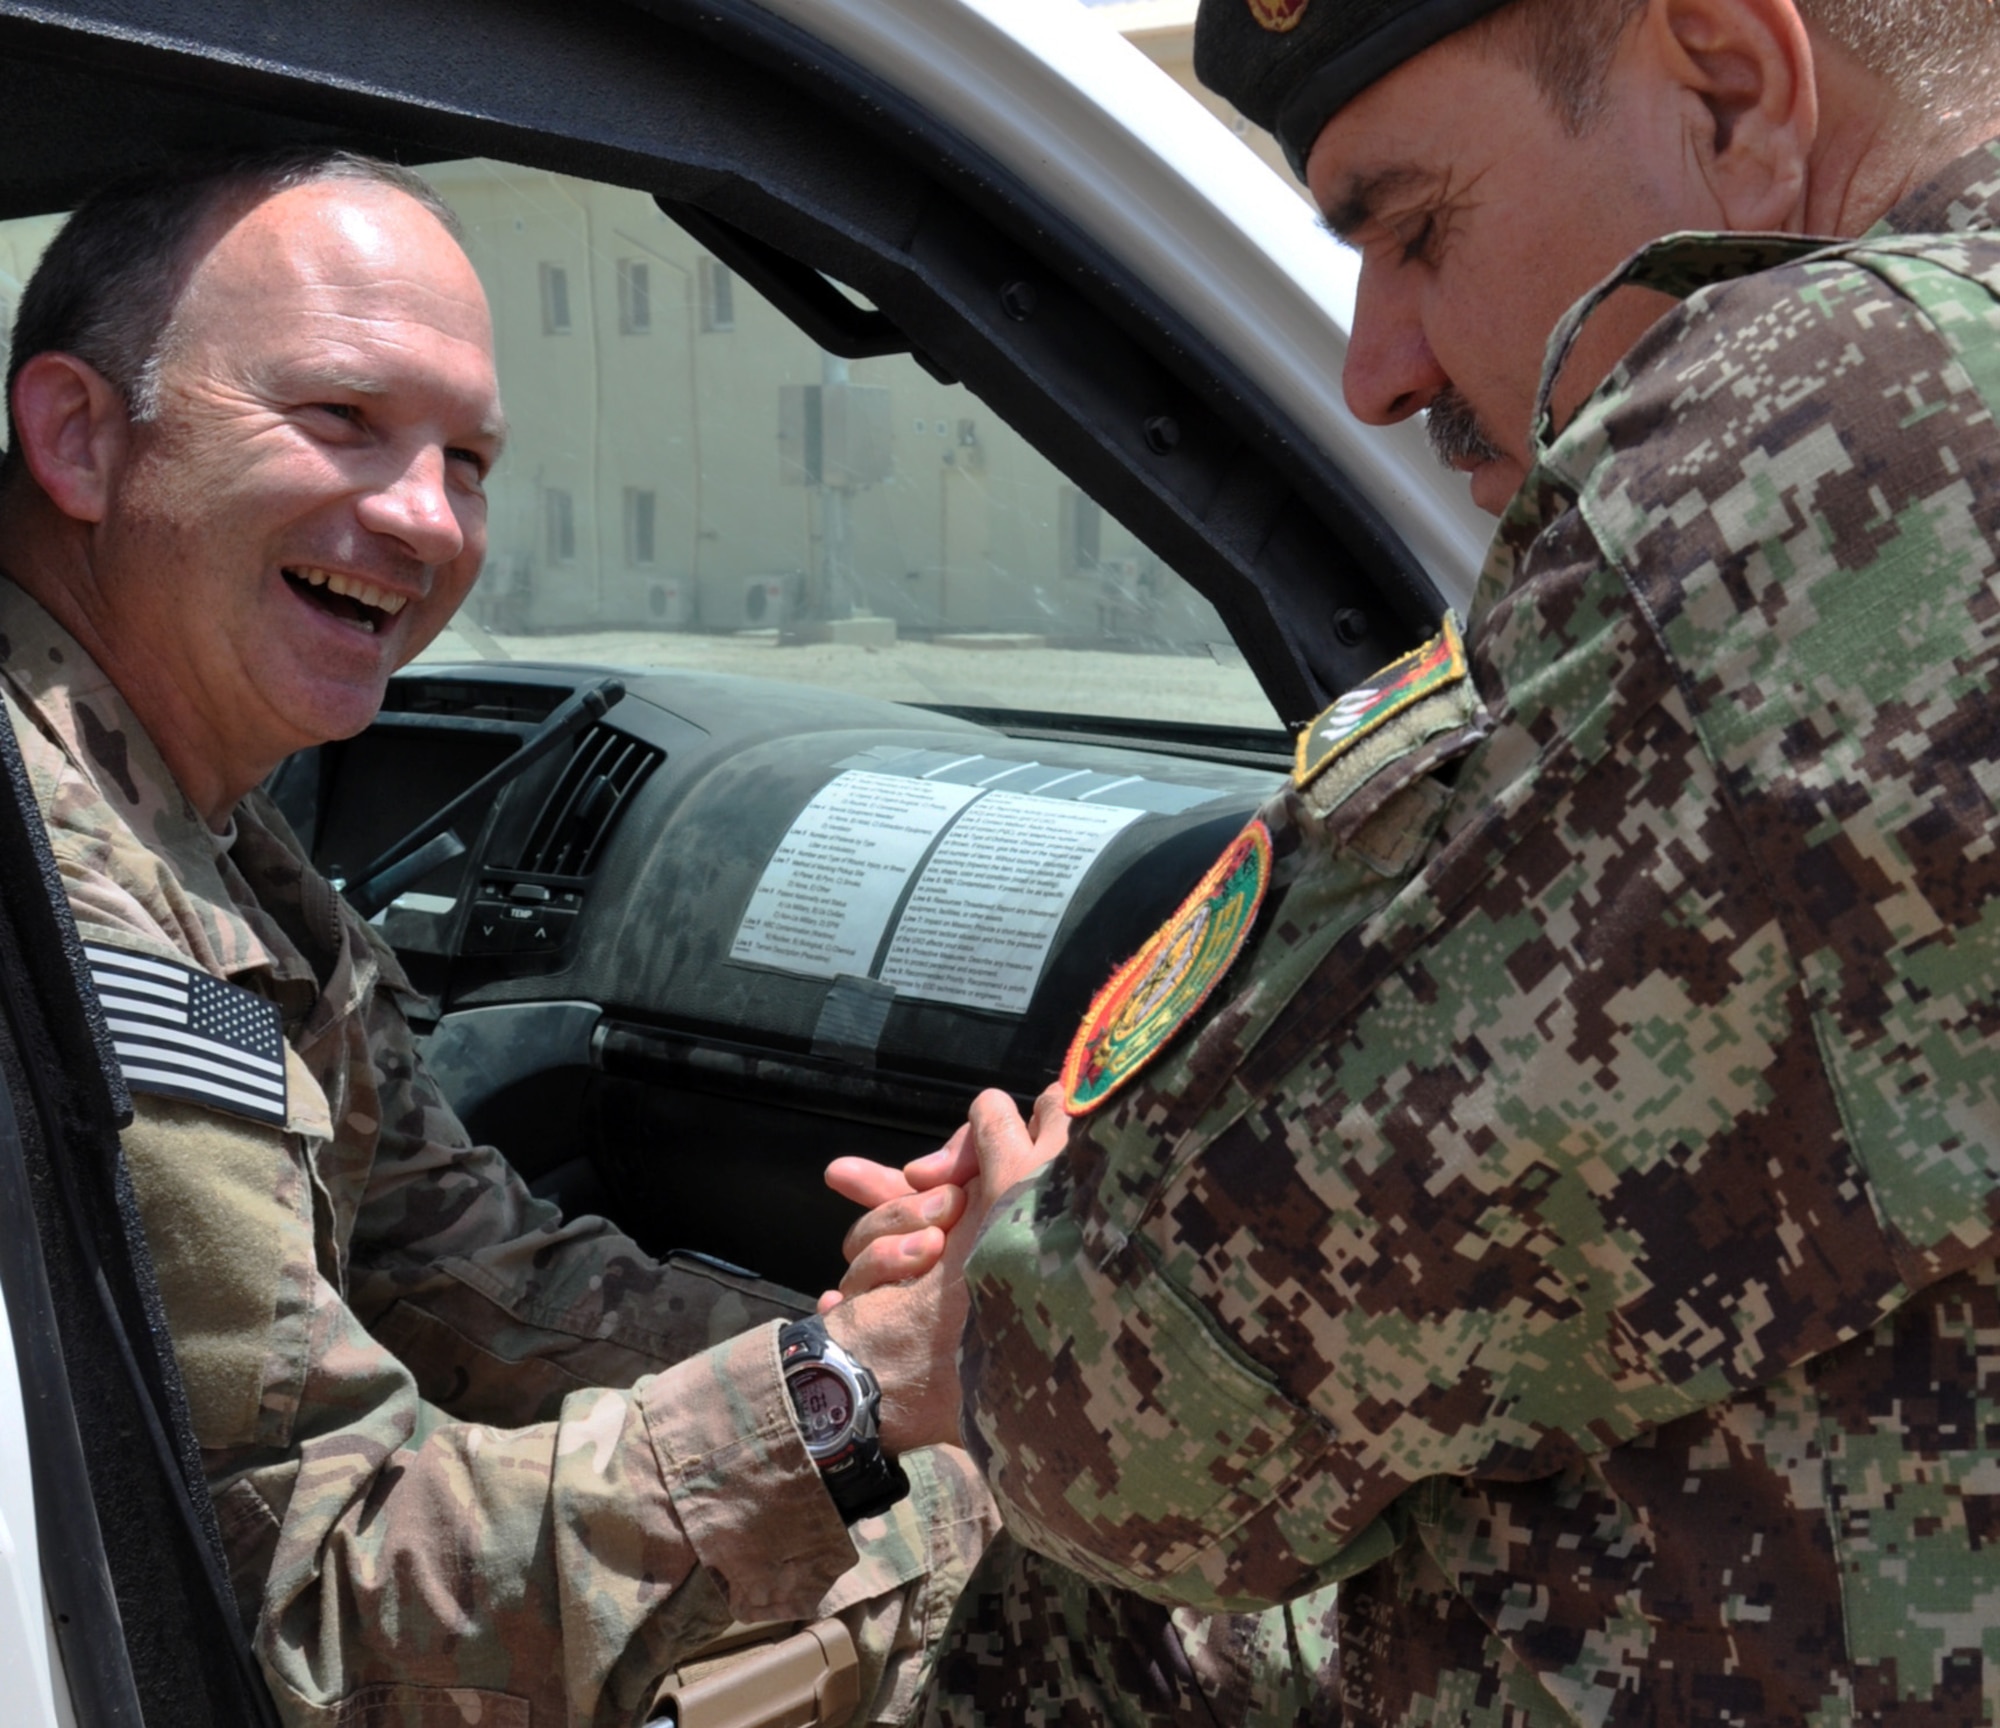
pixel 607 769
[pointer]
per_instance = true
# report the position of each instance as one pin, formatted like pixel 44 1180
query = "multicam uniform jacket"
pixel 472 1462
pixel 1574 1224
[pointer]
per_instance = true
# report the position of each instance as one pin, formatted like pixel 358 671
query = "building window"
pixel 718 296
pixel 562 526
pixel 641 510
pixel 555 300
pixel 635 296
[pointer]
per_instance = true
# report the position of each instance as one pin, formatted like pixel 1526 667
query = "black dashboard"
pixel 735 927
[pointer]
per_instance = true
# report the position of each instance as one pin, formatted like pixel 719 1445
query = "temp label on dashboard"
pixel 840 872
pixel 980 920
pixel 947 892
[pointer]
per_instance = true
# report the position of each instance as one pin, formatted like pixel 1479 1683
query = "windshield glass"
pixel 691 482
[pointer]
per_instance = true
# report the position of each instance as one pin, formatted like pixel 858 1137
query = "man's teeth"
pixel 353 587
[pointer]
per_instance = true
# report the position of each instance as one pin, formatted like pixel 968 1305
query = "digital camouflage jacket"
pixel 1573 1223
pixel 472 1462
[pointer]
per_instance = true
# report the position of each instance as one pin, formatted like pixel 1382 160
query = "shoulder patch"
pixel 1436 666
pixel 1155 993
pixel 181 1034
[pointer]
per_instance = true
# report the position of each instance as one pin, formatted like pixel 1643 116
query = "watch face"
pixel 825 1403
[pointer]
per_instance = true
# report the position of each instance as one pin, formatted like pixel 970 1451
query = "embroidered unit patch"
pixel 1154 994
pixel 1278 15
pixel 1438 665
pixel 181 1034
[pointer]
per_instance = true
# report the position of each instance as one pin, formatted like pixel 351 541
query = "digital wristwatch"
pixel 837 1402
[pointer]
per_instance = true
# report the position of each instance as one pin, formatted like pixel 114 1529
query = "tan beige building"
pixel 649 479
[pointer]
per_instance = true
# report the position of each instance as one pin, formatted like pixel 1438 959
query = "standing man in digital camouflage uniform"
pixel 471 1461
pixel 1571 1222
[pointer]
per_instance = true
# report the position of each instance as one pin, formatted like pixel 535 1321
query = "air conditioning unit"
pixel 645 600
pixel 765 602
pixel 504 596
pixel 666 601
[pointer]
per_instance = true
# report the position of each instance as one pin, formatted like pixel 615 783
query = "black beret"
pixel 1291 65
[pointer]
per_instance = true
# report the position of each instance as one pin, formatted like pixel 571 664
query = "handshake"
pixel 901 1307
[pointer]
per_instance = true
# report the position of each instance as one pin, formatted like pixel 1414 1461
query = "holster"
pixel 809 1680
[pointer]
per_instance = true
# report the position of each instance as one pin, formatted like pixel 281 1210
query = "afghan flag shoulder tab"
pixel 1155 993
pixel 1400 685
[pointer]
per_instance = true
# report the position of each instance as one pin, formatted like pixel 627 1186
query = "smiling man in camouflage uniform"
pixel 472 1462
pixel 1570 1222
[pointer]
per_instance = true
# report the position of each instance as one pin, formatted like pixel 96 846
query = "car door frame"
pixel 144 1623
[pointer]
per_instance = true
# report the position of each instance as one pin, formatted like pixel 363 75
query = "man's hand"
pixel 902 1235
pixel 912 1210
pixel 906 1329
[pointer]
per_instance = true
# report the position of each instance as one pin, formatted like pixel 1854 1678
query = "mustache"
pixel 1457 438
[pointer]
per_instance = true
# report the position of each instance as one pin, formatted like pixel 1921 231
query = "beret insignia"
pixel 1155 993
pixel 1291 65
pixel 1278 15
pixel 1401 684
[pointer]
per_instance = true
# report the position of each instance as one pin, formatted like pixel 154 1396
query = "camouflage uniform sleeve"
pixel 498 1304
pixel 481 1553
pixel 383 1548
pixel 1669 1068
pixel 1375 1233
pixel 1124 1431
pixel 386 1549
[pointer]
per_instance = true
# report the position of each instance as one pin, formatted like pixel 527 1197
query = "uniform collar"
pixel 82 710
pixel 69 699
pixel 1962 198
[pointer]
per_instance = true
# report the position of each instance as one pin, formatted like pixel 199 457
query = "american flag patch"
pixel 181 1034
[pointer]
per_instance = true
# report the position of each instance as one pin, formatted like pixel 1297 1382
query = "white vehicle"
pixel 913 393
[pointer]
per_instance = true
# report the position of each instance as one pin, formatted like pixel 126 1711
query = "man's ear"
pixel 73 428
pixel 1747 67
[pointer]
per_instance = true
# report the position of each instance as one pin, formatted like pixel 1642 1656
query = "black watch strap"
pixel 866 1487
pixel 862 1479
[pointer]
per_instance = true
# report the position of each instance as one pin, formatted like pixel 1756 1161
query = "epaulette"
pixel 1408 703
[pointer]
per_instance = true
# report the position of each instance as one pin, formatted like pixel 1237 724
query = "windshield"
pixel 691 482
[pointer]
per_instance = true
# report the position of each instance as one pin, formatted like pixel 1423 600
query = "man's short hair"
pixel 1937 55
pixel 108 285
pixel 1566 46
pixel 1291 65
